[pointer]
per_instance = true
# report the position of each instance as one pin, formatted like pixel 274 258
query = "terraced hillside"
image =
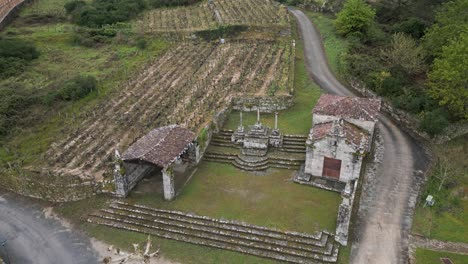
pixel 185 86
pixel 264 13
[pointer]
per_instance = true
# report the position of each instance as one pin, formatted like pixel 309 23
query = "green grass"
pixel 449 225
pixel 60 60
pixel 222 191
pixel 343 256
pixel 335 46
pixel 424 256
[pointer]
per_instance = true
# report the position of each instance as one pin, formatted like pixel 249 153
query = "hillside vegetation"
pixel 96 81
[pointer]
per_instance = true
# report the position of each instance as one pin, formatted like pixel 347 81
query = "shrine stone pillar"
pixel 168 183
pixel 120 179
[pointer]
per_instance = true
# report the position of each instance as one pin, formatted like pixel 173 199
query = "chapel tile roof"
pixel 161 146
pixel 348 107
pixel 354 135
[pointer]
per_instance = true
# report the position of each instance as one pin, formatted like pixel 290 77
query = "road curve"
pixel 32 238
pixel 388 200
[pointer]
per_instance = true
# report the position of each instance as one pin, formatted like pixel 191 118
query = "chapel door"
pixel 331 168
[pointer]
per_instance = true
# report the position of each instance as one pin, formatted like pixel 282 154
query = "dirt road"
pixel 388 199
pixel 32 237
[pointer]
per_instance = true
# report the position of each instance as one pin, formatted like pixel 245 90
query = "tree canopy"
pixel 451 21
pixel 356 17
pixel 448 80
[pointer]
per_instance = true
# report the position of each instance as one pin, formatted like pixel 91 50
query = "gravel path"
pixel 32 235
pixel 388 198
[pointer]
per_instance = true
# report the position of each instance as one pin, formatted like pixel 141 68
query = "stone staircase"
pixel 223 139
pixel 254 163
pixel 294 143
pixel 259 241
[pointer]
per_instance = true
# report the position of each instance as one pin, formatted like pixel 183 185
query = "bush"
pixel 105 12
pixel 141 44
pixel 171 3
pixel 412 26
pixel 14 56
pixel 435 122
pixel 92 37
pixel 355 18
pixel 18 49
pixel 14 99
pixel 74 5
pixel 221 32
pixel 77 88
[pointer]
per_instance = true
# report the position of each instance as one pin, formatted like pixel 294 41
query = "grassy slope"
pixel 112 64
pixel 424 256
pixel 450 225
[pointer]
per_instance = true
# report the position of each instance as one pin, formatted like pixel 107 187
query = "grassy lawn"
pixel 335 46
pixel 449 224
pixel 424 256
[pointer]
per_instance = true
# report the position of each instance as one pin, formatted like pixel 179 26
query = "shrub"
pixel 92 37
pixel 355 18
pixel 434 122
pixel 74 5
pixel 171 3
pixel 106 12
pixel 77 88
pixel 14 56
pixel 14 99
pixel 221 32
pixel 18 49
pixel 412 26
pixel 141 43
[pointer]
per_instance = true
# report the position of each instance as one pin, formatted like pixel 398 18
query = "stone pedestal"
pixel 168 183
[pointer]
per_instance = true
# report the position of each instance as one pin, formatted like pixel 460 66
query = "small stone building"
pixel 160 149
pixel 341 135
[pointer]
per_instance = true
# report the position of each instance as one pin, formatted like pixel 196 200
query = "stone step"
pixel 295 143
pixel 250 164
pixel 294 147
pixel 222 141
pixel 250 168
pixel 292 150
pixel 222 137
pixel 295 137
pixel 286 246
pixel 230 145
pixel 288 167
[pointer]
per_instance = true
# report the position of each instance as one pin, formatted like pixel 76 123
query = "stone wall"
pixel 264 104
pixel 7 13
pixel 50 185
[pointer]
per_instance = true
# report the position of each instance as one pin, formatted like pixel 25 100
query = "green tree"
pixel 356 17
pixel 448 82
pixel 405 52
pixel 451 21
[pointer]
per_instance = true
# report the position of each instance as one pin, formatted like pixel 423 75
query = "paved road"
pixel 32 238
pixel 387 202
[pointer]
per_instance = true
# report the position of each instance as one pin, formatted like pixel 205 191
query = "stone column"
pixel 240 119
pixel 168 183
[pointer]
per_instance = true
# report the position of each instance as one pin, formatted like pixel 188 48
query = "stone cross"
pixel 276 120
